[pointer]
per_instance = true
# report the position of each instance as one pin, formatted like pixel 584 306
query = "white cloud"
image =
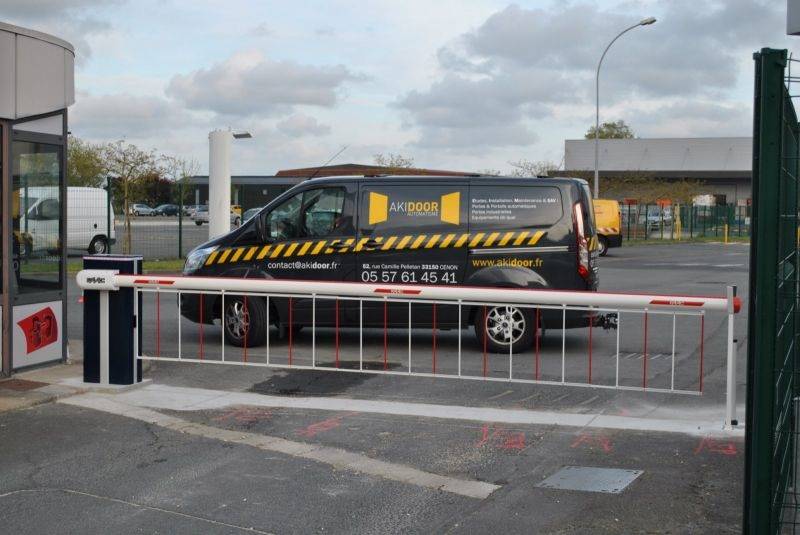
pixel 299 125
pixel 248 83
pixel 125 116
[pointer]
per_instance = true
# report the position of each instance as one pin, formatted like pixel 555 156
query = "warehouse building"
pixel 722 164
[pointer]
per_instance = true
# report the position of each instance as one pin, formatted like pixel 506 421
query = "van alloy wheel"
pixel 237 319
pixel 505 325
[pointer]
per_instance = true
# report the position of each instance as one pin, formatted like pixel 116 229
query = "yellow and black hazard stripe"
pixel 607 231
pixel 296 249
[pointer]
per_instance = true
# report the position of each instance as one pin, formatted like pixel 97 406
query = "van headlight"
pixel 197 258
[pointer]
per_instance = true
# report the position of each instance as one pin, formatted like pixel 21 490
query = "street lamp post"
pixel 643 22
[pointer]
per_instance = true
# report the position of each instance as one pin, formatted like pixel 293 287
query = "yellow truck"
pixel 608 221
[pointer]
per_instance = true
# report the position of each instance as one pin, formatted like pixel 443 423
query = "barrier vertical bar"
pixel 158 322
pixel 563 343
pixel 434 339
pixel 536 344
pixel 267 329
pixel 510 342
pixel 619 323
pixel 179 324
pixel 201 327
pixel 223 325
pixel 702 336
pixel 644 353
pixel 336 334
pixel 591 321
pixel 409 337
pixel 360 334
pixel 459 334
pixel 385 333
pixel 672 373
pixel 730 398
pixel 485 337
pixel 246 317
pixel 290 331
pixel 314 330
pixel 104 349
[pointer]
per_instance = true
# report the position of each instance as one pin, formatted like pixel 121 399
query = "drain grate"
pixel 591 479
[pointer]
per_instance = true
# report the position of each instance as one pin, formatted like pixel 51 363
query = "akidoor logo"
pixel 40 328
pixel 447 208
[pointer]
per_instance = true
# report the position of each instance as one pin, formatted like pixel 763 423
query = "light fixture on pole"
pixel 644 22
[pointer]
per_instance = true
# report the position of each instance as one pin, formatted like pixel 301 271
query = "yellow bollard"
pixel 726 233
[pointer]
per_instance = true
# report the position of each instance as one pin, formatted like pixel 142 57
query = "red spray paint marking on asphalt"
pixel 538 333
pixel 485 336
pixel 709 444
pixel 501 438
pixel 325 425
pixel 702 336
pixel 591 441
pixel 337 333
pixel 644 353
pixel 434 338
pixel 385 336
pixel 290 331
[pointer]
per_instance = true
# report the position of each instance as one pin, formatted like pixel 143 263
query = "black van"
pixel 476 231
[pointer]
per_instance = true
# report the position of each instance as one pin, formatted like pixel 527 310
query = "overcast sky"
pixel 466 85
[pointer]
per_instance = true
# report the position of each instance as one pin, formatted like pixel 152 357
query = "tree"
pixel 529 168
pixel 397 161
pixel 86 164
pixel 128 165
pixel 612 130
pixel 178 170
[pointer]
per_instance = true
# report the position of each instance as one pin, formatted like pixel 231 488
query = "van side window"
pixel 514 207
pixel 313 213
pixel 282 221
pixel 421 208
pixel 322 212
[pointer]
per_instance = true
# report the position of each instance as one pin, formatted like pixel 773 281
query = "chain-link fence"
pixel 772 499
pixel 642 221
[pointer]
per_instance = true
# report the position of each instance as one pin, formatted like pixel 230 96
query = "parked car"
pixel 138 209
pixel 200 216
pixel 473 231
pixel 251 212
pixel 87 219
pixel 608 220
pixel 167 209
pixel 190 209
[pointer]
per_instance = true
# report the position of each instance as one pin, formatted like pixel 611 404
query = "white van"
pixel 87 220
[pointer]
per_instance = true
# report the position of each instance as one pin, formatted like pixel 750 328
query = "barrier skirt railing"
pixel 638 342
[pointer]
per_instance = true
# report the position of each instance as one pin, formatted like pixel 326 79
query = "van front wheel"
pixel 245 321
pixel 99 245
pixel 497 327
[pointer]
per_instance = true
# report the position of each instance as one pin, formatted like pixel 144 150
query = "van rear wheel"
pixel 244 321
pixel 99 245
pixel 500 326
pixel 603 245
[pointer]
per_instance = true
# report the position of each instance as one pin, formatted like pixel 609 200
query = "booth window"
pixel 36 216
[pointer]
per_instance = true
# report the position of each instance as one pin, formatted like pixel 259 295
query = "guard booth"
pixel 36 87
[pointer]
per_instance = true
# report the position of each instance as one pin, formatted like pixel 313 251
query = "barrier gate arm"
pixel 106 281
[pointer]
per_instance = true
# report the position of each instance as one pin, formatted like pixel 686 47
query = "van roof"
pixel 550 181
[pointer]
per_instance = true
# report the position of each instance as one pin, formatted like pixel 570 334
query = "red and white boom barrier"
pixel 109 281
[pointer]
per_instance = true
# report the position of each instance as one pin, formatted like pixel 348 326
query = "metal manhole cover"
pixel 591 479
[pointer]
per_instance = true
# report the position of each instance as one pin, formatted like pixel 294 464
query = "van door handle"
pixel 338 245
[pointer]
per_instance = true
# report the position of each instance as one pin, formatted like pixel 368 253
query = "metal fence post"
pixel 180 219
pixel 730 397
pixel 109 221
